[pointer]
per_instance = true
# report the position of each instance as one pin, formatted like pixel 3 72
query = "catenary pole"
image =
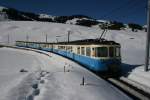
pixel 8 39
pixel 69 32
pixel 46 38
pixel 27 38
pixel 148 38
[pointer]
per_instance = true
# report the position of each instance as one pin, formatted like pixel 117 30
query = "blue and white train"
pixel 96 55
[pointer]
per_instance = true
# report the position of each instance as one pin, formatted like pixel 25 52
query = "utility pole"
pixel 8 39
pixel 27 38
pixel 148 38
pixel 69 32
pixel 46 38
pixel 57 38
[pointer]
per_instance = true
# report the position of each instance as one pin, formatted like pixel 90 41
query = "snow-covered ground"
pixel 45 79
pixel 132 43
pixel 14 84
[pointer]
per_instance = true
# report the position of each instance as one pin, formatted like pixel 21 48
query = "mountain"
pixel 16 15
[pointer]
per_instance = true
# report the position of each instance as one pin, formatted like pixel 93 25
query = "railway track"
pixel 132 91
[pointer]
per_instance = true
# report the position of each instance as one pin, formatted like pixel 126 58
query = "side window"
pixel 78 50
pixel 88 51
pixel 82 51
pixel 47 46
pixel 71 49
pixel 111 52
pixel 50 46
pixel 66 48
pixel 117 52
pixel 93 52
pixel 101 52
pixel 59 47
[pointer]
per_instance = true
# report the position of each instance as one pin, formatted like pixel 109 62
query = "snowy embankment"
pixel 45 79
pixel 132 43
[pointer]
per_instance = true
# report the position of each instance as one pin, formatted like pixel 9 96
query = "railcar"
pixel 96 55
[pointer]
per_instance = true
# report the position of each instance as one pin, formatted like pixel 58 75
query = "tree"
pixel 135 26
pixel 116 25
pixel 86 22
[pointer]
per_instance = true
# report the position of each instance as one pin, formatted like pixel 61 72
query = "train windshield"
pixel 101 52
pixel 111 52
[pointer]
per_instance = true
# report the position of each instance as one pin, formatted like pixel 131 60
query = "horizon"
pixel 133 12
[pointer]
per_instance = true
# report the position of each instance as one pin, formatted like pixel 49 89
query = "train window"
pixel 93 52
pixel 71 49
pixel 78 50
pixel 82 51
pixel 101 52
pixel 59 47
pixel 111 52
pixel 62 47
pixel 117 52
pixel 50 46
pixel 66 48
pixel 88 51
pixel 46 45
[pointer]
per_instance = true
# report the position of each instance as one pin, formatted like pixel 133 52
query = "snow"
pixel 132 43
pixel 46 80
pixel 145 26
pixel 103 21
pixel 137 74
pixel 45 16
pixel 73 21
pixel 11 79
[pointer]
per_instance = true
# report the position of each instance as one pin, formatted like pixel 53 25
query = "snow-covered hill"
pixel 16 15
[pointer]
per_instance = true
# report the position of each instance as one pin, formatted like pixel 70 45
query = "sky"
pixel 126 11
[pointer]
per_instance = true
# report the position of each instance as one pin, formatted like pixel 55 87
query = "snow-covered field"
pixel 132 43
pixel 45 79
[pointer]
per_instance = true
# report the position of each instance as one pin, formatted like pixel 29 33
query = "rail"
pixel 129 89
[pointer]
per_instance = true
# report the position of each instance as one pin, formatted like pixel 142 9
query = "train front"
pixel 108 58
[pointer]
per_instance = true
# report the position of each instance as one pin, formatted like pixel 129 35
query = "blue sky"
pixel 121 10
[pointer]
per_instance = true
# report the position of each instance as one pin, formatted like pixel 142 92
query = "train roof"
pixel 81 42
pixel 90 41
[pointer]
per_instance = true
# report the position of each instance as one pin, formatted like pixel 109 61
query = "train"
pixel 99 56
